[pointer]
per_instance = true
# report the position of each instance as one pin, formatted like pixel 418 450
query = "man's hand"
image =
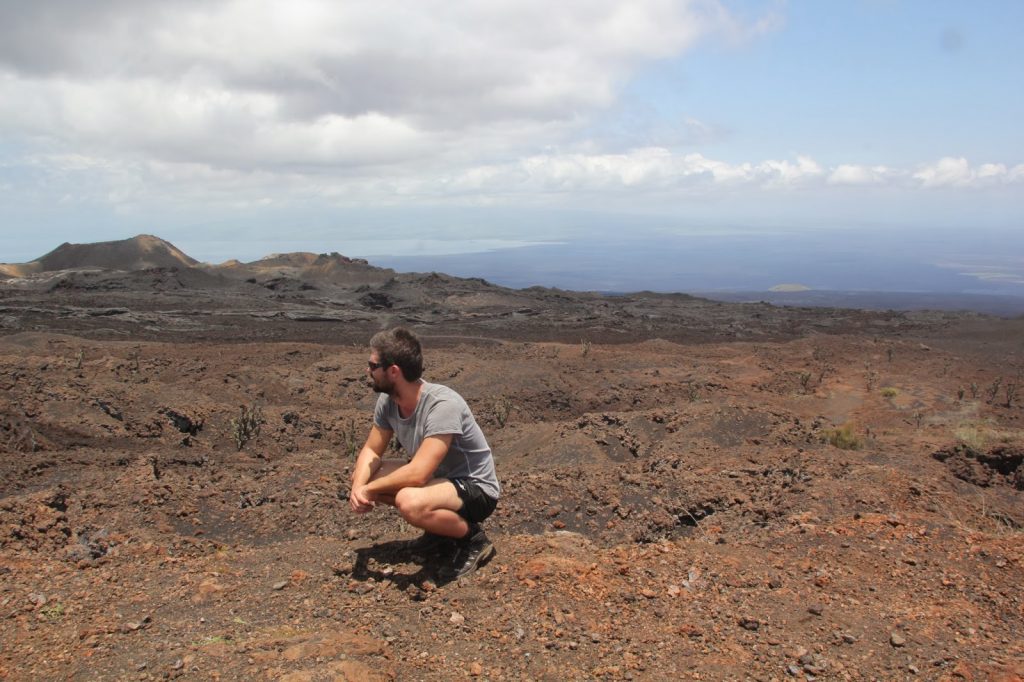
pixel 359 500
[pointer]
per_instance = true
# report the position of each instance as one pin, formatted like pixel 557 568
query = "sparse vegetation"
pixel 20 437
pixel 890 392
pixel 350 439
pixel 970 436
pixel 53 612
pixel 870 376
pixel 979 437
pixel 502 410
pixel 692 391
pixel 978 516
pixel 843 438
pixel 993 390
pixel 247 426
pixel 585 347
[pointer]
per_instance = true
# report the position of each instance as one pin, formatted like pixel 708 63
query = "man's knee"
pixel 409 502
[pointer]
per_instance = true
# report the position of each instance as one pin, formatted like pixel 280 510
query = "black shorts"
pixel 476 504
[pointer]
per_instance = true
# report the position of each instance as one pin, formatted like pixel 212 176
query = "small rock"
pixel 816 610
pixel 848 638
pixel 748 623
pixel 475 670
pixel 457 618
pixel 357 587
pixel 280 585
pixel 897 640
pixel 794 670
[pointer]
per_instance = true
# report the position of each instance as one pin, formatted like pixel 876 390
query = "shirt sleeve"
pixel 443 417
pixel 380 413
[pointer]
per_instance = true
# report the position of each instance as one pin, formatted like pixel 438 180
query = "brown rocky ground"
pixel 692 490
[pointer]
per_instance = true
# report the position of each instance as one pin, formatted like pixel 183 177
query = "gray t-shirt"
pixel 440 411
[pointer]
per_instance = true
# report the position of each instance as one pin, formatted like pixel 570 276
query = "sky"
pixel 236 129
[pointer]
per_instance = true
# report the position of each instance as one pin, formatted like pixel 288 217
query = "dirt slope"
pixel 671 511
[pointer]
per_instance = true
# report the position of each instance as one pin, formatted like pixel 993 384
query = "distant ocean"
pixel 937 269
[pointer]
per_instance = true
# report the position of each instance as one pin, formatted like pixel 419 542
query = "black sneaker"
pixel 471 552
pixel 428 544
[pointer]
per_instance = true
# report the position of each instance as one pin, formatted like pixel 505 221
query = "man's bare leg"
pixel 434 507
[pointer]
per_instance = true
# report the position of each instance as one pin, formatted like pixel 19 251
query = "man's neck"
pixel 406 396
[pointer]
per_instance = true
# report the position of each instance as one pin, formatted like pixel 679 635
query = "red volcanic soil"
pixel 692 490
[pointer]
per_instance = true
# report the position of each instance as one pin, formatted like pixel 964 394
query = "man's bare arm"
pixel 370 455
pixel 367 464
pixel 418 471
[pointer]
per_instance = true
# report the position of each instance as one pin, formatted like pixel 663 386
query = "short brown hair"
pixel 399 346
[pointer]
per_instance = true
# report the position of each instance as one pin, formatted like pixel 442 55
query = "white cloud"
pixel 638 172
pixel 786 173
pixel 957 172
pixel 240 83
pixel 945 172
pixel 654 175
pixel 854 174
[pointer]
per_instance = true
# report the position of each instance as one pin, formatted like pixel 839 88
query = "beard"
pixel 383 385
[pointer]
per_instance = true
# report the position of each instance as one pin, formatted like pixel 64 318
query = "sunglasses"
pixel 377 365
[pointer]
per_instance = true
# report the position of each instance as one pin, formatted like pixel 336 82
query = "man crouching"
pixel 449 486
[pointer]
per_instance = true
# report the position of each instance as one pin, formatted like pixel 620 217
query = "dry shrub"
pixel 842 437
